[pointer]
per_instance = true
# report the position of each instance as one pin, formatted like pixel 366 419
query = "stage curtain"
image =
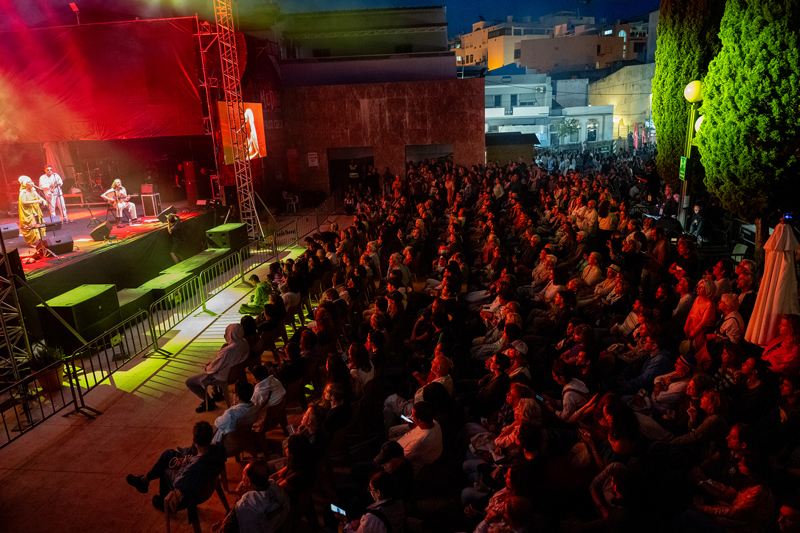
pixel 117 80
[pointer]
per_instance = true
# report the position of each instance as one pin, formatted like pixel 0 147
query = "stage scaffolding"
pixel 231 85
pixel 14 345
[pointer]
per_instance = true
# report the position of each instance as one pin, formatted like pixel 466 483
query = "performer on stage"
pixel 118 196
pixel 51 183
pixel 30 214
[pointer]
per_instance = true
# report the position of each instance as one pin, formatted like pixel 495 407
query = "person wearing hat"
pixel 669 390
pixel 519 372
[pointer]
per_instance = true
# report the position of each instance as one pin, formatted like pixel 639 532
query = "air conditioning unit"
pixel 540 89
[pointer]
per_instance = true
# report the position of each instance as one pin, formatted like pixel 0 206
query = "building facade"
pixel 629 91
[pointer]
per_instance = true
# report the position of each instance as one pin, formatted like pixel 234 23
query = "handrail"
pixel 180 302
pixel 28 406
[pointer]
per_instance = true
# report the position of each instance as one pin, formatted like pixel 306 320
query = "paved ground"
pixel 68 475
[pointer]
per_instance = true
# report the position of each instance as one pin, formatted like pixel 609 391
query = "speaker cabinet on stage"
pixel 233 236
pixel 89 309
pixel 10 231
pixel 59 245
pixel 15 263
pixel 101 232
pixel 191 182
pixel 230 197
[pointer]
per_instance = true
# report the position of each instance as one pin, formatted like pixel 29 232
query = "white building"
pixel 517 101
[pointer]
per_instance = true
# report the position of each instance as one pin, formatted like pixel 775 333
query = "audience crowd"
pixel 539 337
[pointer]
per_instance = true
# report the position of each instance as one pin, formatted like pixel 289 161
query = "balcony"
pixel 519 112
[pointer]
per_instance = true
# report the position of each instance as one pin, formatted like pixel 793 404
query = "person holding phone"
pixel 386 514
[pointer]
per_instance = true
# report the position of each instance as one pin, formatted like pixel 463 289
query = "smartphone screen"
pixel 338 510
pixel 404 417
pixel 539 398
pixel 291 429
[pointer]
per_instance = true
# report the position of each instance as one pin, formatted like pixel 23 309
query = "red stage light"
pixel 74 7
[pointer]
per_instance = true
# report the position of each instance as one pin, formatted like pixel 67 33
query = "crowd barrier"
pixel 24 404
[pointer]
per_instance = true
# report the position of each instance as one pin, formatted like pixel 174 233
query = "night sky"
pixel 460 13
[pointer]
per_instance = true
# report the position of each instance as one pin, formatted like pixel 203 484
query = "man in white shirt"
pixel 241 414
pixel 269 392
pixel 422 439
pixel 51 183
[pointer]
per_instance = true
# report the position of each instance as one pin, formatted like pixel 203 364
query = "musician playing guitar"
pixel 30 215
pixel 51 183
pixel 118 197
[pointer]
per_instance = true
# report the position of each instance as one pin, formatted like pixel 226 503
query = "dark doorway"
pixel 339 161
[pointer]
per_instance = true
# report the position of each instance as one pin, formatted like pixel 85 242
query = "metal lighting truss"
pixel 231 85
pixel 14 345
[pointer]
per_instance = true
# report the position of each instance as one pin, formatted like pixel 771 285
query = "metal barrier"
pixel 169 310
pixel 220 275
pixel 255 254
pixel 26 403
pixel 95 361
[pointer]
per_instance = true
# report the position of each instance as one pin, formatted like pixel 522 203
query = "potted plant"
pixel 43 357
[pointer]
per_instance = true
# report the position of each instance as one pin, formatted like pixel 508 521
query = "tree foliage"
pixel 568 127
pixel 687 41
pixel 749 138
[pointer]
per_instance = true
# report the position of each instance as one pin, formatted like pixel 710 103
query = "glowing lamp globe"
pixel 697 124
pixel 694 92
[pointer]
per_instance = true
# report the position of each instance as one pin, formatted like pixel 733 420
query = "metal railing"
pixel 169 310
pixel 27 403
pixel 98 359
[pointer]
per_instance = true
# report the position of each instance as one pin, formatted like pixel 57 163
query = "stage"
pixel 137 255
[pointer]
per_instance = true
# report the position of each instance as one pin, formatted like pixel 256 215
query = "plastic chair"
pixel 291 200
pixel 205 493
pixel 241 440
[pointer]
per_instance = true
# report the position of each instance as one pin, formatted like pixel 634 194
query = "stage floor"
pixel 79 230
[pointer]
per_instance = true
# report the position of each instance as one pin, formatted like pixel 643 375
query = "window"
pixel 574 137
pixel 591 131
pixel 493 129
pixel 498 100
pixel 402 49
pixel 598 49
pixel 499 32
pixel 517 31
pixel 517 53
pixel 639 47
pixel 321 52
pixel 608 32
pixel 623 35
pixel 527 99
pixel 458 58
pixel 513 100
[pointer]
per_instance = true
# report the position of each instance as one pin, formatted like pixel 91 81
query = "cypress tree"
pixel 749 136
pixel 687 41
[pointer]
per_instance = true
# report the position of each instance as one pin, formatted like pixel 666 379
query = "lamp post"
pixel 694 95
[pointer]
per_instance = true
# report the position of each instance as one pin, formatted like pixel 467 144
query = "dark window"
pixel 321 52
pixel 500 32
pixel 517 31
pixel 598 49
pixel 498 100
pixel 513 100
pixel 402 49
pixel 639 47
pixel 517 53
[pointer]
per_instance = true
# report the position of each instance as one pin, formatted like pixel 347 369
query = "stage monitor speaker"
pixel 230 196
pixel 191 182
pixel 163 216
pixel 89 309
pixel 101 232
pixel 233 236
pixel 149 188
pixel 10 231
pixel 53 220
pixel 15 263
pixel 59 245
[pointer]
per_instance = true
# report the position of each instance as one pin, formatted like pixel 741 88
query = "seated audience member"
pixel 421 438
pixel 215 373
pixel 268 391
pixel 183 473
pixel 262 505
pixel 241 415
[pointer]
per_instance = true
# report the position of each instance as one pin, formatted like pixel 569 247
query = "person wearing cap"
pixel 669 390
pixel 519 372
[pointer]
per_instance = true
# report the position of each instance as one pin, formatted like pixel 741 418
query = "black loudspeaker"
pixel 15 263
pixel 163 216
pixel 10 231
pixel 89 309
pixel 52 220
pixel 101 232
pixel 191 182
pixel 59 245
pixel 230 197
pixel 233 236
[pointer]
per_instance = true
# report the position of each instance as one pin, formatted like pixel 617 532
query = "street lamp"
pixel 76 11
pixel 694 95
